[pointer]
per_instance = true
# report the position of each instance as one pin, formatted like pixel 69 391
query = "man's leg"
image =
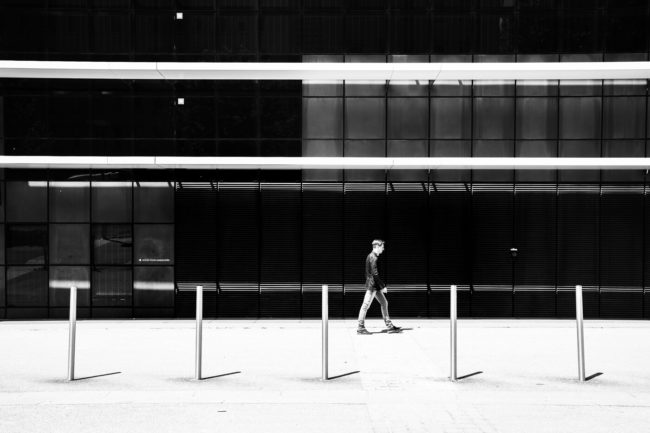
pixel 384 312
pixel 367 300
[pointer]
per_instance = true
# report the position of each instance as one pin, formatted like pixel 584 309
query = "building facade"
pixel 137 242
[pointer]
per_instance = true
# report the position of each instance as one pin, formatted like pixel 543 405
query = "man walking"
pixel 375 287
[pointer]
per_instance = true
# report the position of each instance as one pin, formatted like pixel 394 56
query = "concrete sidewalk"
pixel 398 382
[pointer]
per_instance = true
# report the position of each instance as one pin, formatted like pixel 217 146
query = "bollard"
pixel 73 332
pixel 325 313
pixel 581 339
pixel 199 332
pixel 452 319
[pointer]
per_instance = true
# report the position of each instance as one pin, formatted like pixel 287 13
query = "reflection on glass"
pixel 154 244
pixel 579 149
pixel 536 118
pixel 494 118
pixel 322 117
pixel 451 118
pixel 407 117
pixel 69 244
pixel 580 117
pixel 154 202
pixel 408 149
pixel 64 277
pixel 26 286
pixel 365 118
pixel 535 149
pixel 111 201
pixel 27 201
pixel 26 244
pixel 322 148
pixel 365 148
pixel 112 287
pixel 2 286
pixel 153 286
pixel 69 201
pixel 624 117
pixel 112 244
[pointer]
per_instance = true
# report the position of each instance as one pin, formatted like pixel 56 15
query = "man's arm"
pixel 375 274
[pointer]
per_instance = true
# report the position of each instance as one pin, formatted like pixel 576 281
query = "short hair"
pixel 378 242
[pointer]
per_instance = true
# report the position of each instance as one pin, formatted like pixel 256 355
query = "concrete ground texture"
pixel 264 376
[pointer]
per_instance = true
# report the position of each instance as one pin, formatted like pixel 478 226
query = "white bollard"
pixel 199 332
pixel 581 340
pixel 325 312
pixel 73 332
pixel 452 323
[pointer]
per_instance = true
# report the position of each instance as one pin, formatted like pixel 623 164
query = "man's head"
pixel 378 246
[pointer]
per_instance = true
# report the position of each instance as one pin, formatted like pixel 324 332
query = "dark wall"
pixel 253 29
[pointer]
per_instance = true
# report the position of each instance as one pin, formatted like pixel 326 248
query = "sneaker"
pixel 361 330
pixel 391 329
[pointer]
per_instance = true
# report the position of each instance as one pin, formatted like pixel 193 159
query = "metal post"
pixel 199 332
pixel 325 313
pixel 581 338
pixel 452 317
pixel 73 332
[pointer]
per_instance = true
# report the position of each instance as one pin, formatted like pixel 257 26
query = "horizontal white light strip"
pixel 324 71
pixel 306 163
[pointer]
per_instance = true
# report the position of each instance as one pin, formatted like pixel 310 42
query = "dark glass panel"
pixel 322 34
pixel 68 32
pixel 69 244
pixel 69 201
pixel 366 33
pixel 22 31
pixel 537 32
pixel 112 117
pixel 111 201
pixel 26 286
pixel 365 118
pixel 452 33
pixel 154 33
pixel 237 33
pixel 64 277
pixel 112 244
pixel 153 286
pixel 69 116
pixel 580 32
pixel 153 117
pixel 112 287
pixel 280 33
pixel 626 31
pixel 495 33
pixel 237 117
pixel 154 202
pixel 196 118
pixel 280 117
pixel 410 33
pixel 26 244
pixel 26 116
pixel 407 118
pixel 112 33
pixel 154 244
pixel 27 201
pixel 195 33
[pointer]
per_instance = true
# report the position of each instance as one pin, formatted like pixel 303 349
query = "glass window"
pixel 365 118
pixel 153 117
pixel 195 33
pixel 237 33
pixel 280 117
pixel 64 277
pixel 410 33
pixel 366 33
pixel 154 244
pixel 452 33
pixel 407 117
pixel 26 244
pixel 450 148
pixel 27 201
pixel 322 148
pixel 580 117
pixel 154 33
pixel 535 149
pixel 320 87
pixel 112 244
pixel 366 87
pixel 153 286
pixel 112 33
pixel 624 117
pixel 536 118
pixel 579 149
pixel 408 88
pixel 69 116
pixel 69 201
pixel 111 201
pixel 279 33
pixel 2 288
pixel 237 117
pixel 26 286
pixel 369 148
pixel 494 118
pixel 154 202
pixel 322 117
pixel 196 118
pixel 623 149
pixel 69 244
pixel 322 34
pixel 451 117
pixel 2 244
pixel 408 149
pixel 112 287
